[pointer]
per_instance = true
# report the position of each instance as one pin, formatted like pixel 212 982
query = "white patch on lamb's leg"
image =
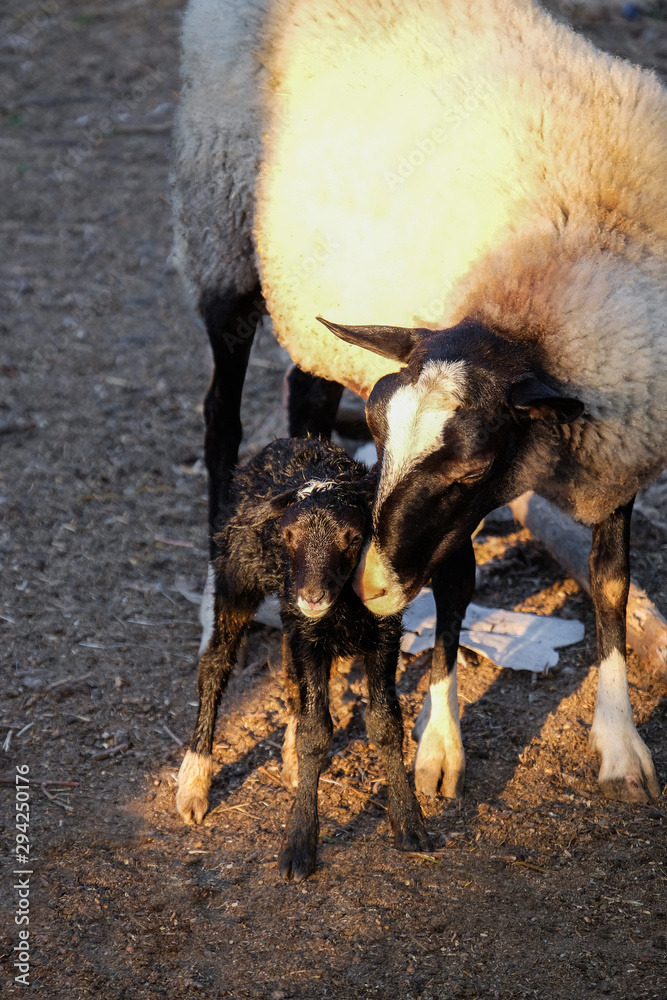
pixel 194 781
pixel 207 610
pixel 290 772
pixel 626 771
pixel 440 751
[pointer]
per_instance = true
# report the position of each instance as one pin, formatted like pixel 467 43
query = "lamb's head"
pixel 455 433
pixel 324 528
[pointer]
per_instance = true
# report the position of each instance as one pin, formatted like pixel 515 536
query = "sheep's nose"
pixel 368 583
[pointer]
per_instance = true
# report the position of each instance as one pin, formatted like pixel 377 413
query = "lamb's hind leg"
pixel 231 320
pixel 440 760
pixel 215 668
pixel 626 771
pixel 297 858
pixel 384 725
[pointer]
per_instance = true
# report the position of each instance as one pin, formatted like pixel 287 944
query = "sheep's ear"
pixel 540 401
pixel 395 342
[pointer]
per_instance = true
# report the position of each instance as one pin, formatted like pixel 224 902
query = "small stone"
pixel 32 682
pixel 630 11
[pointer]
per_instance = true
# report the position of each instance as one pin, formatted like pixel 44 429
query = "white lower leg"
pixel 626 769
pixel 440 751
pixel 194 781
pixel 206 610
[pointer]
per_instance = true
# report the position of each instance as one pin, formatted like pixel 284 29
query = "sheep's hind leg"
pixel 384 725
pixel 231 320
pixel 297 859
pixel 215 668
pixel 312 403
pixel 626 771
pixel 440 760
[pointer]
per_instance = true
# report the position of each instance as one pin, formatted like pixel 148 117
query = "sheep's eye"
pixel 356 540
pixel 475 475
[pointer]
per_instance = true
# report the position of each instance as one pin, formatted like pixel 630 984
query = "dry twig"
pixel 350 788
pixel 173 736
pixel 68 680
pixel 273 777
pixel 111 752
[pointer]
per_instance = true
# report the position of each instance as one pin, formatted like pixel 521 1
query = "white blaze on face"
pixel 416 417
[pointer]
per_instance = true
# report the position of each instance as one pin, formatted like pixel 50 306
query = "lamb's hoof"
pixel 434 771
pixel 297 859
pixel 627 773
pixel 194 781
pixel 413 838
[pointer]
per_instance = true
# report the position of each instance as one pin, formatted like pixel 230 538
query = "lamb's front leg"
pixel 314 728
pixel 626 771
pixel 290 771
pixel 384 725
pixel 215 667
pixel 440 760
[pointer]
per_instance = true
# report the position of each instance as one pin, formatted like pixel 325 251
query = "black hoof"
pixel 297 860
pixel 407 825
pixel 414 838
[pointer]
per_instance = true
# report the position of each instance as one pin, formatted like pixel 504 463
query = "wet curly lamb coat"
pixel 482 193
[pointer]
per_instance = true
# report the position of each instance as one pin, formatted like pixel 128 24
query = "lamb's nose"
pixel 312 600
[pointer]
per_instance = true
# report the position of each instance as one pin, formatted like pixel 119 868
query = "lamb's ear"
pixel 266 511
pixel 395 342
pixel 540 401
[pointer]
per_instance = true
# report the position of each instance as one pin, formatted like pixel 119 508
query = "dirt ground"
pixel 537 886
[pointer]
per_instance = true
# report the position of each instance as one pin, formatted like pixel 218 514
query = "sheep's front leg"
pixel 384 725
pixel 313 737
pixel 440 760
pixel 626 771
pixel 215 667
pixel 231 320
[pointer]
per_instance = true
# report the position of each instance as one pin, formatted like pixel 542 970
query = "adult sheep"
pixel 482 193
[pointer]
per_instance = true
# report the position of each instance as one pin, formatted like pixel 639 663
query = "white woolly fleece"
pixel 415 163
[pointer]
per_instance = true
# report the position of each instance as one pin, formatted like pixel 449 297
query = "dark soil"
pixel 538 886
